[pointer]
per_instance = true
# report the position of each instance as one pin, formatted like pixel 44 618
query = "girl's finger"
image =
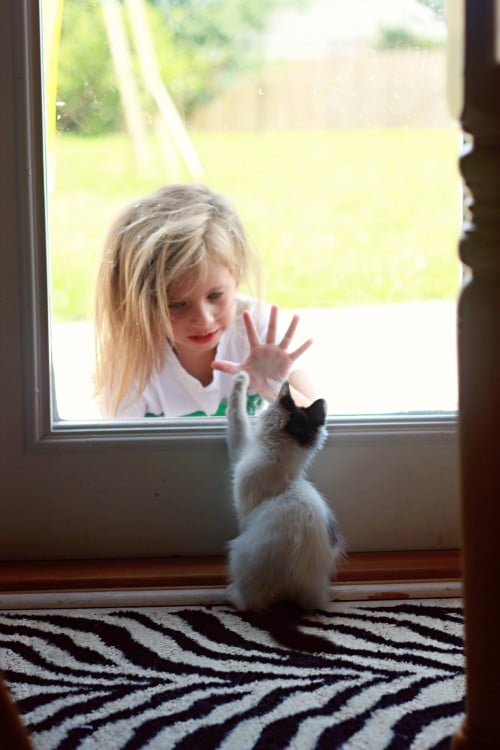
pixel 252 335
pixel 300 350
pixel 290 332
pixel 273 325
pixel 225 365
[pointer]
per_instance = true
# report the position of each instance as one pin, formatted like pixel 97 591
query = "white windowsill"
pixel 216 595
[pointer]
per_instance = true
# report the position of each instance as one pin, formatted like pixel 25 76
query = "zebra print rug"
pixel 391 676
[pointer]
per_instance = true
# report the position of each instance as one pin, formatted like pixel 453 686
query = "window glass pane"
pixel 325 122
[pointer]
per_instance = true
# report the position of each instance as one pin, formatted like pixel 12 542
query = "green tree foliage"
pixel 436 5
pixel 213 42
pixel 201 45
pixel 397 37
pixel 88 99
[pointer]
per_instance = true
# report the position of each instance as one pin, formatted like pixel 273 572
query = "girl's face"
pixel 201 311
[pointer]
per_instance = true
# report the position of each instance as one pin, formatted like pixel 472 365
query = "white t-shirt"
pixel 173 392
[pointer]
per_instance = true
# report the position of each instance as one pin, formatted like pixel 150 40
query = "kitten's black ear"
pixel 285 397
pixel 284 390
pixel 317 411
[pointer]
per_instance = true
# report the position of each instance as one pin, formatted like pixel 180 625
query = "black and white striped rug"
pixel 391 676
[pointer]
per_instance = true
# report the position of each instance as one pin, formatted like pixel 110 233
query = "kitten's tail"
pixel 283 623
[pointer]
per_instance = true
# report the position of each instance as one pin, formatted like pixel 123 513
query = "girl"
pixel 171 329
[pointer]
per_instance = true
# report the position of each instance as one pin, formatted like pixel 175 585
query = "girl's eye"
pixel 176 305
pixel 215 295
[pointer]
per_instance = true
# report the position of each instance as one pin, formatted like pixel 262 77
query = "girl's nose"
pixel 202 314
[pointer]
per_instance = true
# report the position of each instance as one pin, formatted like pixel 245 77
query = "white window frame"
pixel 84 490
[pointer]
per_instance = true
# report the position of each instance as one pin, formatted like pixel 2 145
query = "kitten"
pixel 288 543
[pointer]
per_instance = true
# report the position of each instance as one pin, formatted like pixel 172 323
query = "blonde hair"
pixel 156 242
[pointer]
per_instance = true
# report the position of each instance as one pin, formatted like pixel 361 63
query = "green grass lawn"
pixel 337 217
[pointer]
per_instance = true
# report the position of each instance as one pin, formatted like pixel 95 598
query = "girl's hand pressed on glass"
pixel 268 363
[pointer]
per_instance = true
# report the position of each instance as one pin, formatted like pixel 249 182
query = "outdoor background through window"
pixel 326 124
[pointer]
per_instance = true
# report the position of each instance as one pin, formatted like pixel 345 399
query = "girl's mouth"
pixel 204 338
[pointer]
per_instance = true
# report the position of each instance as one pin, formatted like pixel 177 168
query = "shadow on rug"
pixel 202 677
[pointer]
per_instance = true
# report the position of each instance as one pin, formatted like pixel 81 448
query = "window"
pixel 332 135
pixel 77 489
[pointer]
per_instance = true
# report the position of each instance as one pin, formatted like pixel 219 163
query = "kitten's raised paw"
pixel 241 379
pixel 239 388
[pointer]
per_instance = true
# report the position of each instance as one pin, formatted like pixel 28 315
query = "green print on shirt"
pixel 254 402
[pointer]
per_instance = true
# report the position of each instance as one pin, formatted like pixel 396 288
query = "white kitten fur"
pixel 288 545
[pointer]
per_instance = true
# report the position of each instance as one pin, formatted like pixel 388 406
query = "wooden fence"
pixel 399 88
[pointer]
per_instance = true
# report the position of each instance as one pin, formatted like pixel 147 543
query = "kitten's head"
pixel 305 426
